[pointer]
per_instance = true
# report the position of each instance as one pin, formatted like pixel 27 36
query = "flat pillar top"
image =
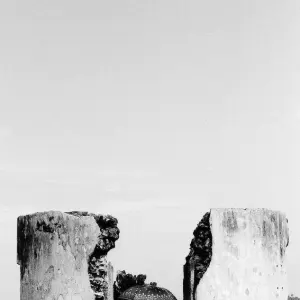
pixel 239 209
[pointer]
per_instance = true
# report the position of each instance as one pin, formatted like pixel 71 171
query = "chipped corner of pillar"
pixel 64 255
pixel 247 256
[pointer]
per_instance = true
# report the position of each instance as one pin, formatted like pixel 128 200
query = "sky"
pixel 152 111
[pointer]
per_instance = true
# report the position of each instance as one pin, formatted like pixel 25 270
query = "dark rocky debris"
pixel 125 281
pixel 199 258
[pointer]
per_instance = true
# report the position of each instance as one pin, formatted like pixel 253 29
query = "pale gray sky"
pixel 153 111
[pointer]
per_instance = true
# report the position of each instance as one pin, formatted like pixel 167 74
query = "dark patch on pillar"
pixel 25 240
pixel 230 222
pixel 265 228
pixel 53 226
pixel 30 237
pixel 199 258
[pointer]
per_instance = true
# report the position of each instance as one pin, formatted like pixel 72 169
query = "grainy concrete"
pixel 248 256
pixel 54 254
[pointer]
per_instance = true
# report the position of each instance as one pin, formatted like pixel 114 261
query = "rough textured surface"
pixel 125 281
pixel 63 255
pixel 292 297
pixel 198 259
pixel 248 256
pixel 147 292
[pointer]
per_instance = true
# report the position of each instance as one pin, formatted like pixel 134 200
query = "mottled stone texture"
pixel 248 256
pixel 62 256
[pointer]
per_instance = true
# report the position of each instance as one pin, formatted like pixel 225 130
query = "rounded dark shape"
pixel 147 292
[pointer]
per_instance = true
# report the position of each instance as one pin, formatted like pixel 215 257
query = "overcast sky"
pixel 153 111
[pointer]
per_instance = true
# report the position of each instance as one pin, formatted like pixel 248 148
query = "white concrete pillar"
pixel 248 256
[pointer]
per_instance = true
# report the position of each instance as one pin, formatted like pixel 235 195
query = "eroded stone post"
pixel 62 256
pixel 247 256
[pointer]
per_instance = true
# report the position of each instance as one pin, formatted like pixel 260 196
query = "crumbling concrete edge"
pixel 98 267
pixel 199 258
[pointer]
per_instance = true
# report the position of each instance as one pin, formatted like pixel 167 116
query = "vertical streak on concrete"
pixel 248 256
pixel 110 280
pixel 189 279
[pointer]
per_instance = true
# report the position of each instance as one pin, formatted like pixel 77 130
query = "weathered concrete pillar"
pixel 247 256
pixel 62 256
